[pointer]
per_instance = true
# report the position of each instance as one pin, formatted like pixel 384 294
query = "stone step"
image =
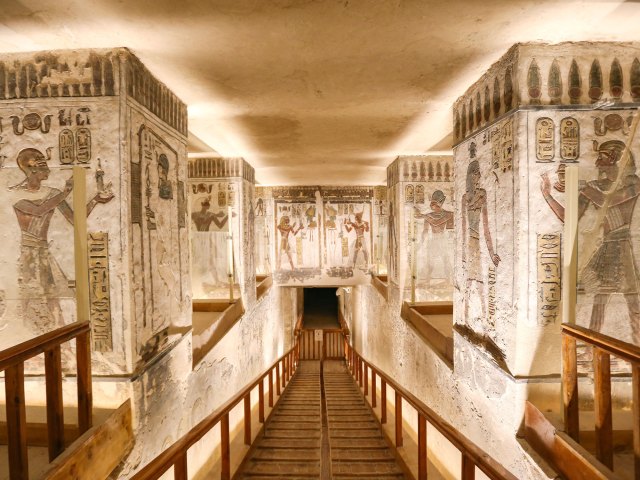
pixel 363 443
pixel 359 469
pixel 257 467
pixel 280 425
pixel 287 454
pixel 355 417
pixel 348 433
pixel 361 425
pixel 279 433
pixel 355 454
pixel 286 443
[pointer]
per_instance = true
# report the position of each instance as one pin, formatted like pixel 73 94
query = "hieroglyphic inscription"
pixel 545 140
pixel 492 295
pixel 569 139
pixel 548 256
pixel 99 292
pixel 506 147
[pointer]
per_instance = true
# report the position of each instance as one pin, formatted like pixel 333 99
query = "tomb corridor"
pixel 473 314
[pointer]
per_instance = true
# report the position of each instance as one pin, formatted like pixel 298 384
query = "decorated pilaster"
pixel 537 110
pixel 420 226
pixel 221 192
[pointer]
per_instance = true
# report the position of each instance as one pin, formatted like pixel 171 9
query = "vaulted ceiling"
pixel 314 91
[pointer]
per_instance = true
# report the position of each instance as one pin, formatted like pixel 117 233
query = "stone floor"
pixel 321 428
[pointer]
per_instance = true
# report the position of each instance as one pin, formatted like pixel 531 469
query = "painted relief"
pixel 615 80
pixel 209 246
pixel 323 234
pixel 99 291
pixel 569 139
pixel 41 281
pixel 435 257
pixel 496 97
pixel 545 140
pixel 549 271
pixel 575 83
pixel 534 83
pixel 154 208
pixel 635 80
pixel 611 123
pixel 474 213
pixel 554 83
pixel 595 81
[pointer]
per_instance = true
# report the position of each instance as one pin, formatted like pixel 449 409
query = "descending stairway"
pixel 290 447
pixel 358 448
pixel 292 444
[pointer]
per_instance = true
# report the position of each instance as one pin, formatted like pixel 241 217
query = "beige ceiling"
pixel 314 91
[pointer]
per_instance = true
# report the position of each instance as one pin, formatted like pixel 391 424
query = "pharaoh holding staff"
pixel 360 226
pixel 286 229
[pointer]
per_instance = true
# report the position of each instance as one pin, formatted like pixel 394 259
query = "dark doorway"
pixel 320 308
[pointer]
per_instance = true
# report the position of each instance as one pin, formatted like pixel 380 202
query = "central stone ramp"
pixel 358 448
pixel 291 445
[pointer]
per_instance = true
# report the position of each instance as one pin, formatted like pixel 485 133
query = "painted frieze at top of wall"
pixel 420 168
pixel 308 192
pixel 203 168
pixel 89 73
pixel 571 73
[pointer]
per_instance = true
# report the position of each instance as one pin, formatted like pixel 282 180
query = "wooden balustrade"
pixel 176 455
pixel 12 363
pixel 472 456
pixel 603 348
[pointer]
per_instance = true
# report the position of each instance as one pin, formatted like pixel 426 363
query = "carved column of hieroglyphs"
pixel 569 139
pixel 548 256
pixel 506 142
pixel 492 295
pixel 99 293
pixel 545 140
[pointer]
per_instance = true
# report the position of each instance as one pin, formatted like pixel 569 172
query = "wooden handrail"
pixel 35 346
pixel 12 363
pixel 469 450
pixel 176 453
pixel 603 347
pixel 611 345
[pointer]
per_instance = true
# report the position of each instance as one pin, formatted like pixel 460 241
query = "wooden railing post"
pixel 360 370
pixel 278 379
pixel 261 401
pixel 399 441
pixel 570 387
pixel 383 400
pixel 284 373
pixel 366 379
pixel 85 391
pixel 247 419
pixel 422 447
pixel 602 406
pixel 225 452
pixel 468 468
pixel 270 388
pixel 374 393
pixel 55 413
pixel 635 376
pixel 180 467
pixel 16 422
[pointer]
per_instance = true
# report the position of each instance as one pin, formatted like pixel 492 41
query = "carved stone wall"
pixel 510 214
pixel 67 108
pixel 320 234
pixel 421 207
pixel 218 186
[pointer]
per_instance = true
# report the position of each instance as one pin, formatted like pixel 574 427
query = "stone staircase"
pixel 357 445
pixel 291 444
pixel 321 428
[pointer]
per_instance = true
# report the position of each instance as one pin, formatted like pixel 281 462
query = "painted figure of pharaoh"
pixel 286 229
pixel 474 208
pixel 42 282
pixel 611 267
pixel 439 222
pixel 360 227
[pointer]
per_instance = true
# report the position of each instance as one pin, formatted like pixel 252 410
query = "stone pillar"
pixel 420 197
pixel 218 186
pixel 537 110
pixel 101 110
